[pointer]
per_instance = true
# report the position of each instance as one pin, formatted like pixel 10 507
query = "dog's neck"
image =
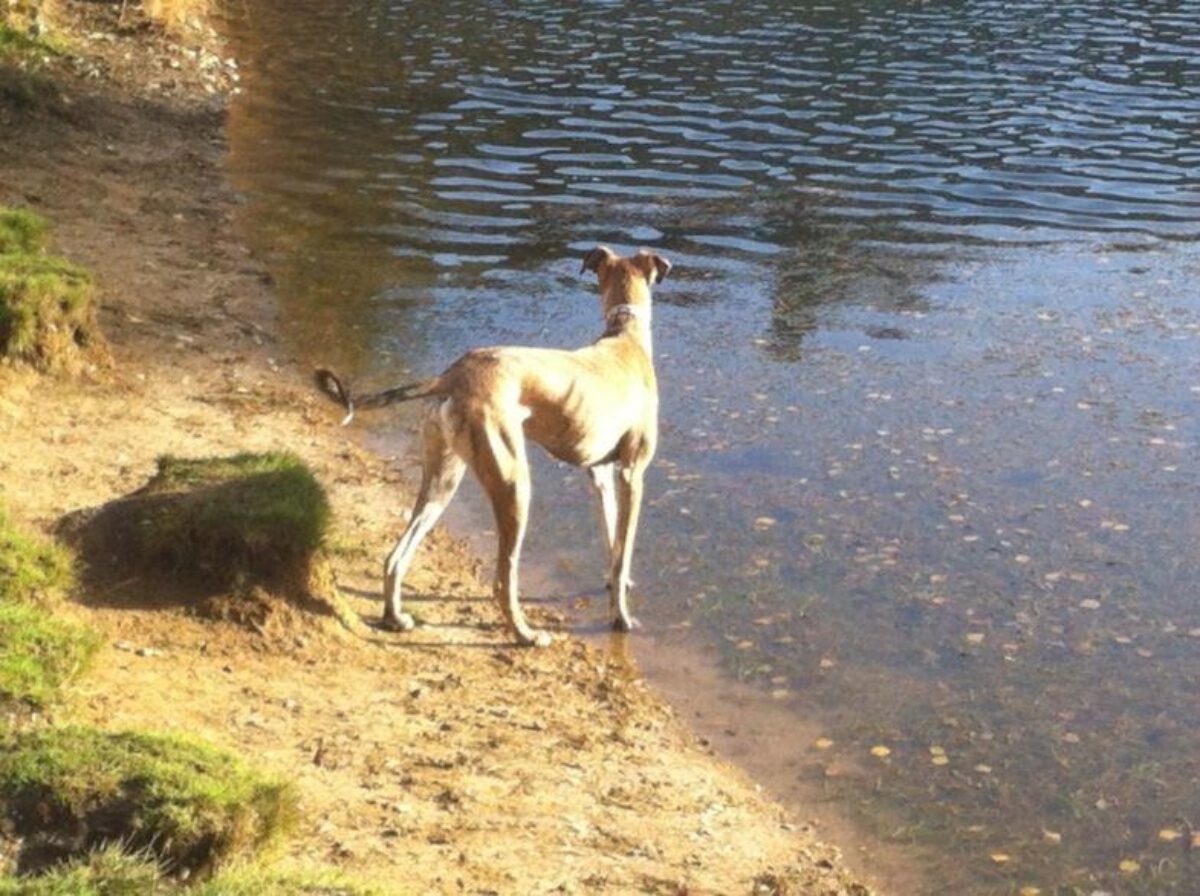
pixel 632 319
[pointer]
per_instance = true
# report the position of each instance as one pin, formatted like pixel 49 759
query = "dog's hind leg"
pixel 603 487
pixel 503 471
pixel 441 474
pixel 629 503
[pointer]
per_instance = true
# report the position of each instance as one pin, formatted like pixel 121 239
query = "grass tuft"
pixel 17 44
pixel 47 307
pixel 68 791
pixel 114 871
pixel 38 653
pixel 32 569
pixel 256 881
pixel 21 231
pixel 110 871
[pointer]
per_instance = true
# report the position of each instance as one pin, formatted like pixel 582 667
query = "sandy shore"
pixel 440 761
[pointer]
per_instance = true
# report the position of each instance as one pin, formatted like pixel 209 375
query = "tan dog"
pixel 595 407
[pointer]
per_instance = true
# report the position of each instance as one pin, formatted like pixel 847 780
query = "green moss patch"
pixel 21 231
pixel 112 871
pixel 39 654
pixel 17 44
pixel 253 881
pixel 32 569
pixel 107 872
pixel 68 791
pixel 47 307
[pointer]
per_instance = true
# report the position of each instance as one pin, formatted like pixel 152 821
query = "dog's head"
pixel 625 281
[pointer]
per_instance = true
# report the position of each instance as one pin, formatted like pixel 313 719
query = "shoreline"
pixel 443 756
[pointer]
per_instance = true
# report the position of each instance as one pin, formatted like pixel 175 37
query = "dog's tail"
pixel 328 383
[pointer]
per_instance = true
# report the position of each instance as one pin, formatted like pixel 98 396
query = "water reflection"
pixel 928 357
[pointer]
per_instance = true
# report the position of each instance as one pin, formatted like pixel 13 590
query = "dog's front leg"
pixel 629 502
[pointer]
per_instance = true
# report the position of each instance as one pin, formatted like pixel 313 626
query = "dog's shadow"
pixel 434 598
pixel 376 632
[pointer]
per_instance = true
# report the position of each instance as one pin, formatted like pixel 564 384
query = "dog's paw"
pixel 399 623
pixel 625 624
pixel 534 639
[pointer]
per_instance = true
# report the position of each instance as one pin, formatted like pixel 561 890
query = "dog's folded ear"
pixel 597 257
pixel 655 267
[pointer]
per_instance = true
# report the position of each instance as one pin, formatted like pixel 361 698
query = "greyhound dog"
pixel 595 407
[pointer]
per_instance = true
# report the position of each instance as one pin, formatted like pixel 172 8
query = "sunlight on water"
pixel 928 359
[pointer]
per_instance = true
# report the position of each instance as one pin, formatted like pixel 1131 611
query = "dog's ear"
pixel 594 259
pixel 655 267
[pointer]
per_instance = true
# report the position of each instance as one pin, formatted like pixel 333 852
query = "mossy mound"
pixel 47 304
pixel 227 522
pixel 227 535
pixel 232 519
pixel 68 791
pixel 38 653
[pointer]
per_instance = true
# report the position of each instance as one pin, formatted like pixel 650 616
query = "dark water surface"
pixel 929 360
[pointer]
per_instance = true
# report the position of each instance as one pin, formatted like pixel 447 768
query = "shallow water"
pixel 928 359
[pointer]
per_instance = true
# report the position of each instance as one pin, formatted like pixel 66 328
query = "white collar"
pixel 633 311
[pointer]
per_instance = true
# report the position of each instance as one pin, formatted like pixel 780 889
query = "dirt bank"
pixel 440 761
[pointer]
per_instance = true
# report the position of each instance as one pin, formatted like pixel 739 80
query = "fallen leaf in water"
pixel 880 752
pixel 1169 835
pixel 1129 866
pixel 1052 837
pixel 939 760
pixel 780 694
pixel 975 638
pixel 827 663
pixel 744 645
pixel 764 522
pixel 822 743
pixel 1090 604
pixel 1000 858
pixel 983 769
pixel 1029 891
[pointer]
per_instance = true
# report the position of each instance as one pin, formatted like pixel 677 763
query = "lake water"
pixel 929 362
